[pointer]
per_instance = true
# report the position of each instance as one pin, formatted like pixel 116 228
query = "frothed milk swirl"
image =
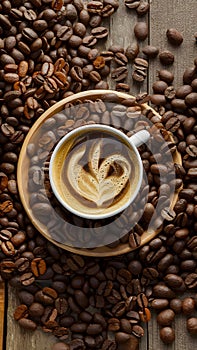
pixel 95 184
pixel 96 172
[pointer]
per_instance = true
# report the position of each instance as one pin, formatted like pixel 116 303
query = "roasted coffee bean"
pixel 176 305
pixel 7 267
pixel 124 276
pixel 75 262
pixel 132 51
pixel 174 36
pixel 22 264
pixel 140 69
pixel 150 51
pixel 36 310
pixel 113 324
pixel 46 296
pixel 166 76
pixel 188 306
pixel 143 8
pixel 166 57
pixel 142 301
pixel 81 299
pixel 137 331
pixel 27 324
pixel 26 297
pixel 8 248
pixel 165 317
pixel 99 32
pixel 160 304
pixel 132 4
pixel 191 280
pixel 120 58
pixel 167 335
pixel 94 329
pixel 6 59
pixel 18 238
pixel 122 87
pixel 94 7
pixel 3 181
pixel 172 124
pixel 173 281
pixel 125 326
pixel 119 74
pixel 122 337
pixel 134 240
pixel 192 325
pixel 190 99
pixel 141 30
pixel 162 291
pixel 145 315
pixel 21 312
pixel 79 327
pixel 133 317
pixel 5 235
pixel 38 267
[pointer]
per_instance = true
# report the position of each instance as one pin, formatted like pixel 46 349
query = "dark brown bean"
pixel 165 317
pixel 192 325
pixel 166 57
pixel 167 335
pixel 27 324
pixel 174 36
pixel 141 30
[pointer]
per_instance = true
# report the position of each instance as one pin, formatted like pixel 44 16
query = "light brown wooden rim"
pixel 100 251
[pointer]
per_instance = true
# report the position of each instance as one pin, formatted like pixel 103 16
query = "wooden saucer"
pixel 23 173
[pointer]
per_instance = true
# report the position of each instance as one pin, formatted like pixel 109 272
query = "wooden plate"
pixel 23 173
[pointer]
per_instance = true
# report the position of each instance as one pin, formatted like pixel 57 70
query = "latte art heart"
pixel 103 180
pixel 95 172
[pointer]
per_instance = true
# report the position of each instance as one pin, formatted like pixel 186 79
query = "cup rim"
pixel 58 195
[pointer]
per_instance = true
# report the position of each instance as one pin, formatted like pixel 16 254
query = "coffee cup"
pixel 96 171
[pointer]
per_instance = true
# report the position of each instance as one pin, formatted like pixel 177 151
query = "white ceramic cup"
pixel 132 142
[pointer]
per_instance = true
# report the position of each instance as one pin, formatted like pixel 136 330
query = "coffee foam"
pixel 103 184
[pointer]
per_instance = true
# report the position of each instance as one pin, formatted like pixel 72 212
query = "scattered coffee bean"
pixel 188 306
pixel 132 4
pixel 192 325
pixel 150 51
pixel 174 36
pixel 141 30
pixel 167 335
pixel 166 57
pixel 165 317
pixel 132 51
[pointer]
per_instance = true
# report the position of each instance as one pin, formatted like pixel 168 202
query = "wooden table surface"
pixel 163 14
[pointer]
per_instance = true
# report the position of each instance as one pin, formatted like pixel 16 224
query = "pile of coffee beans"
pixel 151 206
pixel 47 52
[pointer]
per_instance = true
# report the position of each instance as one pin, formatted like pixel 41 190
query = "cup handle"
pixel 139 138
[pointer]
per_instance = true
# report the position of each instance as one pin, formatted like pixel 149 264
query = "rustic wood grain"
pixel 2 310
pixel 18 338
pixel 164 14
pixel 183 340
pixel 121 33
pixel 179 14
